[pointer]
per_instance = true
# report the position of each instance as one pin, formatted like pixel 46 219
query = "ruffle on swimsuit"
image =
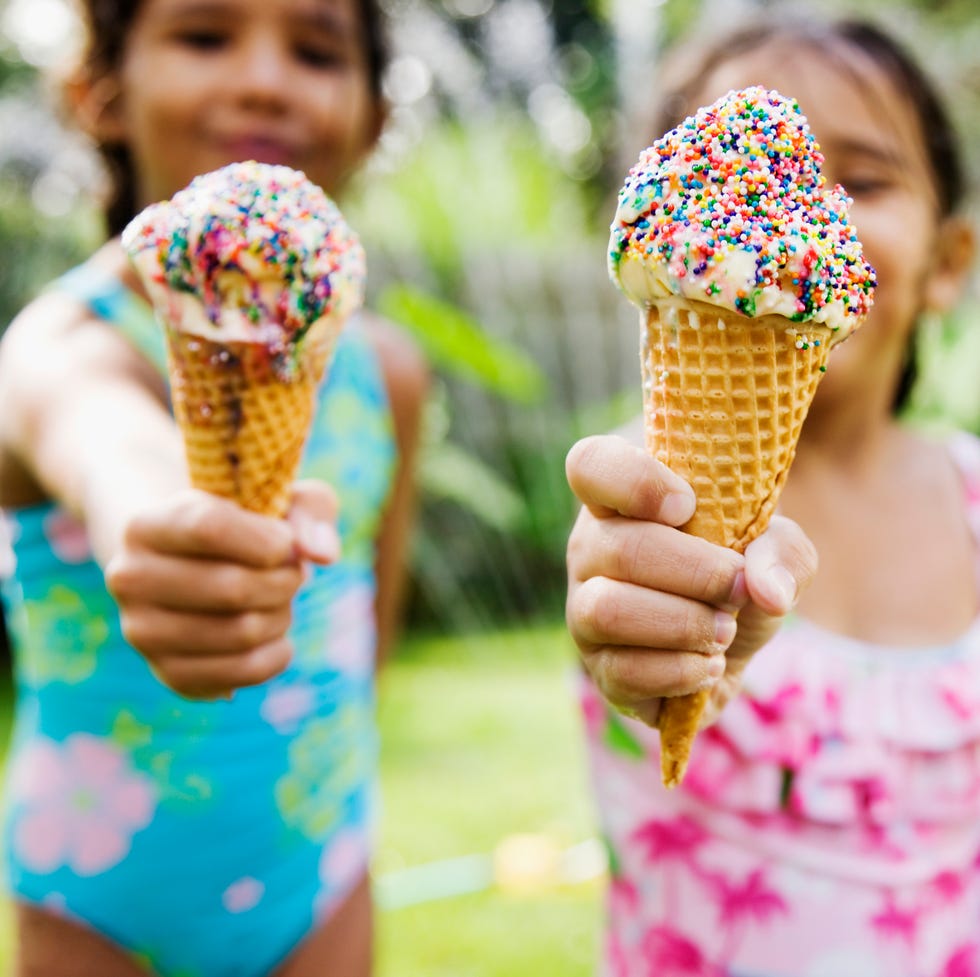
pixel 836 730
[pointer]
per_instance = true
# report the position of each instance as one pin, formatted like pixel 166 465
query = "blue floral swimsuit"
pixel 206 838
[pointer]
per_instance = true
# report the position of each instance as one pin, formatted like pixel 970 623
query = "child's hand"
pixel 652 609
pixel 205 588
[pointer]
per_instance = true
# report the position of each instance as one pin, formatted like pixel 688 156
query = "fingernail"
pixel 739 595
pixel 784 586
pixel 677 508
pixel 725 628
pixel 716 666
pixel 319 539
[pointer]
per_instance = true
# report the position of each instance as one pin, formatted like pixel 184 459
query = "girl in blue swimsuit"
pixel 189 791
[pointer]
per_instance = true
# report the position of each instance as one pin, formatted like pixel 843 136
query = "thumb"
pixel 779 565
pixel 313 518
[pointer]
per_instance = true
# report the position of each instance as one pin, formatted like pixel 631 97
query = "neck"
pixel 852 442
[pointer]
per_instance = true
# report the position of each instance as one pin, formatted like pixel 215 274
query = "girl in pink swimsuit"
pixel 829 822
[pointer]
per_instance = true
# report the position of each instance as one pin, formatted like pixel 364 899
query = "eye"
pixel 323 56
pixel 202 39
pixel 866 186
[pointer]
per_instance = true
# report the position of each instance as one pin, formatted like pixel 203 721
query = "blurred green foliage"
pixel 453 341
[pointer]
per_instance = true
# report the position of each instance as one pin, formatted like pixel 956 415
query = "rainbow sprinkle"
pixel 731 208
pixel 260 240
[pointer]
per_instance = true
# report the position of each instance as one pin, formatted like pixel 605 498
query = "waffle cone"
pixel 725 397
pixel 244 420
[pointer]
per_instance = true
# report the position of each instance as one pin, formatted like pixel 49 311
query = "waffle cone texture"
pixel 725 397
pixel 243 419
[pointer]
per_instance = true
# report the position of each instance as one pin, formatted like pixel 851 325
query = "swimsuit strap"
pixel 111 300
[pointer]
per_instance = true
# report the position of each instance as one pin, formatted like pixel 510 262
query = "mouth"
pixel 263 149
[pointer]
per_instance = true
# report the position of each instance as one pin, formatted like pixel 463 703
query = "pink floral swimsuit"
pixel 829 823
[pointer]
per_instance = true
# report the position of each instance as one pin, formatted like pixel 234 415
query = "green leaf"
pixel 129 732
pixel 620 740
pixel 455 343
pixel 449 472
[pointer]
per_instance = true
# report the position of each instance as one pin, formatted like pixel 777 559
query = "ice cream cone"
pixel 725 397
pixel 747 270
pixel 253 272
pixel 244 423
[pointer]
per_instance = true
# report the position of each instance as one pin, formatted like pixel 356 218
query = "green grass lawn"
pixel 480 749
pixel 481 743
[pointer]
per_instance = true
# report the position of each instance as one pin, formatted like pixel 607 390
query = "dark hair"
pixel 108 24
pixel 839 38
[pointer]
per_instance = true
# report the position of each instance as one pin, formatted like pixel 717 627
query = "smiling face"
pixel 204 83
pixel 873 147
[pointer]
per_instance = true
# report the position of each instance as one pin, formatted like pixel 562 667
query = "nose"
pixel 263 70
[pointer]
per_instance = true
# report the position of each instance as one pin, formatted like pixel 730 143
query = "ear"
pixel 373 128
pixel 96 104
pixel 956 248
pixel 379 119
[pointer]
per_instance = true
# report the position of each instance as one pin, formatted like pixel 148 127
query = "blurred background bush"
pixel 486 222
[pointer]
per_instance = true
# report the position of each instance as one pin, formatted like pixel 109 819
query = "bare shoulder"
pixel 54 356
pixel 405 371
pixel 37 345
pixel 56 340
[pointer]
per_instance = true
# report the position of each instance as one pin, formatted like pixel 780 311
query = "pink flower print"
pixel 285 705
pixel 948 887
pixel 678 839
pixel 81 805
pixel 342 863
pixel 774 731
pixel 742 904
pixel 963 963
pixel 593 713
pixel 343 859
pixel 750 899
pixel 351 634
pixel 623 898
pixel 667 953
pixel 895 922
pixel 960 697
pixel 67 537
pixel 772 711
pixel 717 773
pixel 243 895
pixel 672 846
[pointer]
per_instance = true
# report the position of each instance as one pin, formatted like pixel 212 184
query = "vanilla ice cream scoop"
pixel 730 209
pixel 249 253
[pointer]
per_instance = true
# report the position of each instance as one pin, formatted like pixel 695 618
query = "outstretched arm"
pixel 204 588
